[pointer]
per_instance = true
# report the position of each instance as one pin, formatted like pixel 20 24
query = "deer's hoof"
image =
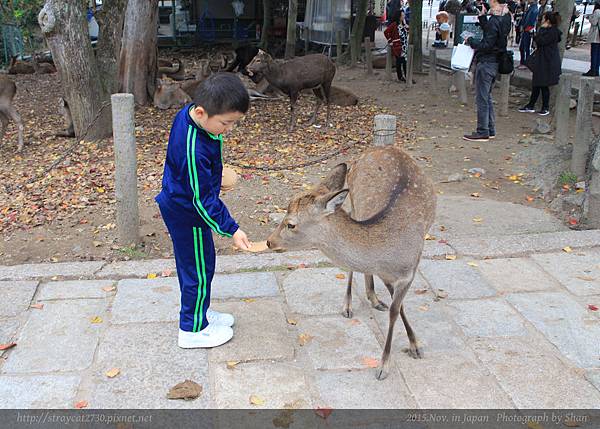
pixel 415 352
pixel 347 313
pixel 381 374
pixel 381 306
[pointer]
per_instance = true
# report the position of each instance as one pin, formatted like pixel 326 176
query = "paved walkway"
pixel 510 323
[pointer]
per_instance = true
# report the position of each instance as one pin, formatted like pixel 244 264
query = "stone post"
pixel 125 168
pixel 504 94
pixel 583 127
pixel 384 132
pixel 409 65
pixel 433 65
pixel 461 85
pixel 561 117
pixel 388 62
pixel 368 56
pixel 593 211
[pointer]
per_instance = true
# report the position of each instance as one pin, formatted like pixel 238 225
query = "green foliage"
pixel 23 14
pixel 567 178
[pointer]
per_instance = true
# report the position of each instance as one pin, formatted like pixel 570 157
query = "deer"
pixel 169 94
pixel 8 89
pixel 315 71
pixel 20 67
pixel 392 206
pixel 174 70
pixel 42 67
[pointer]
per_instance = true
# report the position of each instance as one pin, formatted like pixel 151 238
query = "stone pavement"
pixel 518 329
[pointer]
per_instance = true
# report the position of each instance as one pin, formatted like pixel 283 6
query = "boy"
pixel 190 205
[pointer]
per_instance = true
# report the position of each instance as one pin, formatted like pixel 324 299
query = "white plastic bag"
pixel 462 55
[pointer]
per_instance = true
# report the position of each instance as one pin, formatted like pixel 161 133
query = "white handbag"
pixel 462 55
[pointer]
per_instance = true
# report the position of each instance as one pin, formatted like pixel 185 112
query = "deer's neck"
pixel 273 74
pixel 344 240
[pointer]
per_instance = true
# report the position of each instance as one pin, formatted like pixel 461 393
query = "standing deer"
pixel 392 208
pixel 8 89
pixel 314 72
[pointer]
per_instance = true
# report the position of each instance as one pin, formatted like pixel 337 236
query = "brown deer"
pixel 20 67
pixel 392 208
pixel 8 89
pixel 169 94
pixel 42 67
pixel 314 72
pixel 174 70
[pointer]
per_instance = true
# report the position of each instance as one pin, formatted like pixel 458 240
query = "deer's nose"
pixel 268 244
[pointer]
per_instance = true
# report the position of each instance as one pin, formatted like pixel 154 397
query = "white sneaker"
pixel 223 319
pixel 211 336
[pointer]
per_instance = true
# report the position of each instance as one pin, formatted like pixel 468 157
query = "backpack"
pixel 506 63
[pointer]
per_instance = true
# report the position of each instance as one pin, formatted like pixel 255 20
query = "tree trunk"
pixel 565 8
pixel 65 29
pixel 416 33
pixel 264 33
pixel 358 28
pixel 137 62
pixel 110 22
pixel 290 44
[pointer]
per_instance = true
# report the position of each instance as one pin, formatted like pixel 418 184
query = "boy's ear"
pixel 199 111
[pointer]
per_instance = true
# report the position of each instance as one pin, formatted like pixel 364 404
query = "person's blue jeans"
pixel 595 58
pixel 485 76
pixel 525 46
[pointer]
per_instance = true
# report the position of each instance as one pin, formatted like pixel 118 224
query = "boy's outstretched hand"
pixel 240 240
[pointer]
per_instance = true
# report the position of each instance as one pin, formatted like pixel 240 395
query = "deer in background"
pixel 8 89
pixel 20 67
pixel 314 72
pixel 392 208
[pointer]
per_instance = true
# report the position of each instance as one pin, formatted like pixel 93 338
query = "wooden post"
pixel 504 94
pixel 583 127
pixel 384 132
pixel 338 45
pixel 125 168
pixel 433 65
pixel 368 56
pixel 561 118
pixel 388 62
pixel 409 65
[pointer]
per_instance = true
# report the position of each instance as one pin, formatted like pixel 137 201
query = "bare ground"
pixel 68 214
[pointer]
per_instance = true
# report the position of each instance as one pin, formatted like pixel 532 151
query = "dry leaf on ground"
pixel 231 364
pixel 451 257
pixel 109 288
pixel 567 249
pixel 81 404
pixel 96 319
pixel 292 322
pixel 323 412
pixel 38 306
pixel 112 373
pixel 187 390
pixel 340 276
pixel 303 339
pixel 370 362
pixel 7 346
pixel 256 400
pixel 151 276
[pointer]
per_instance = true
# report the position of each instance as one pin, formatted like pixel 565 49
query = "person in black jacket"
pixel 495 34
pixel 545 63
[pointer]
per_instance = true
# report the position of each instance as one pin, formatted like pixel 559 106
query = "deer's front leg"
pixel 347 311
pixel 293 100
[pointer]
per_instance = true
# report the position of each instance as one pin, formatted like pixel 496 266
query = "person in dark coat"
pixel 545 63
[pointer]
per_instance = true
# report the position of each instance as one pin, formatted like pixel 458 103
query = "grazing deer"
pixel 8 89
pixel 314 72
pixel 392 208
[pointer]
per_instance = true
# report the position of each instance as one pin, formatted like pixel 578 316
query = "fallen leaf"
pixel 420 291
pixel 231 364
pixel 187 390
pixel 429 237
pixel 424 307
pixel 166 273
pixel 586 278
pixel 370 362
pixel 292 322
pixel 513 177
pixel 529 198
pixel 97 243
pixel 340 276
pixel 567 249
pixel 109 288
pixel 477 219
pixel 303 339
pixel 81 404
pixel 112 373
pixel 256 400
pixel 323 412
pixel 572 221
pixel 38 306
pixel 100 190
pixel 475 194
pixel 472 264
pixel 248 299
pixel 592 307
pixel 7 346
pixel 151 276
pixel 451 257
pixel 355 322
pixel 96 319
pixel 440 294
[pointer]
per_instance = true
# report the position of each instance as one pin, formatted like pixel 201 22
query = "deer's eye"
pixel 291 226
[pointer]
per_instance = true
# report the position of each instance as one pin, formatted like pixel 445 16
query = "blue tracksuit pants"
pixel 195 260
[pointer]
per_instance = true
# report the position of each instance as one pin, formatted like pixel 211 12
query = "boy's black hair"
pixel 222 93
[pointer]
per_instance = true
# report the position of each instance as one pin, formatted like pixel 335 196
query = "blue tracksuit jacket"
pixel 190 206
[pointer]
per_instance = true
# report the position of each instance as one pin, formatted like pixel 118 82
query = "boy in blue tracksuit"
pixel 190 205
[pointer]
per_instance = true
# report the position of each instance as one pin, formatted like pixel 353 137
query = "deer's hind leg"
pixel 293 100
pixel 11 112
pixel 319 95
pixel 4 122
pixel 400 287
pixel 347 311
pixel 327 95
pixel 376 303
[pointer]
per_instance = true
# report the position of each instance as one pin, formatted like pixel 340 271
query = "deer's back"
pixel 388 183
pixel 308 71
pixel 8 88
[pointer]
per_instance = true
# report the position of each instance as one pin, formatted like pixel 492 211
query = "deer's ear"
pixel 336 179
pixel 334 200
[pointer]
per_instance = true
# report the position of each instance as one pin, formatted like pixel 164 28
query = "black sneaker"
pixel 543 112
pixel 492 136
pixel 527 109
pixel 476 137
